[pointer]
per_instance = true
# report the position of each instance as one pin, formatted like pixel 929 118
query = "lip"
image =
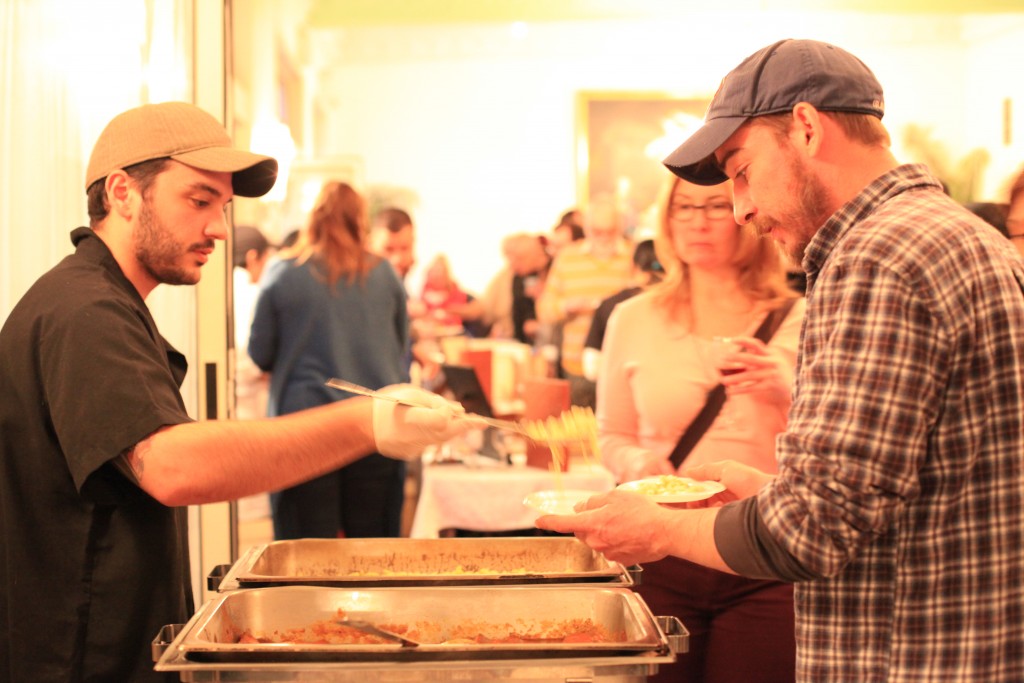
pixel 202 255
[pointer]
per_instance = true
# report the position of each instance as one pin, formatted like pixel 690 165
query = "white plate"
pixel 672 489
pixel 557 502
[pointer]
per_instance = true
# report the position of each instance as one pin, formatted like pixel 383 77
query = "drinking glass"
pixel 722 348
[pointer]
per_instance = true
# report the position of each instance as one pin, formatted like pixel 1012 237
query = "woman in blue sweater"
pixel 328 308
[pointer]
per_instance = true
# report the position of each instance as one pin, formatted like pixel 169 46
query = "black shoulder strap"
pixel 716 397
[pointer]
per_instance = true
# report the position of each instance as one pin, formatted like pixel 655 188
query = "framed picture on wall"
pixel 621 138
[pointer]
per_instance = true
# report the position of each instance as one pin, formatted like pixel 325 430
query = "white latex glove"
pixel 402 432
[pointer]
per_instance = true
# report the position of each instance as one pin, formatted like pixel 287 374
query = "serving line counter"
pixel 545 610
pixel 489 497
pixel 454 634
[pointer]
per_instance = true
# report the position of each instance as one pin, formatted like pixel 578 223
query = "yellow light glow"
pixel 519 30
pixel 675 129
pixel 273 138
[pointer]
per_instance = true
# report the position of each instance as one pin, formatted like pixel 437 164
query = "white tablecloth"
pixel 490 498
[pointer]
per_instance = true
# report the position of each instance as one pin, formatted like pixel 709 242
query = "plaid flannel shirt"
pixel 900 482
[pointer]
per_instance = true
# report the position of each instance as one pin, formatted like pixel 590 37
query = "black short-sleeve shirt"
pixel 90 565
pixel 599 323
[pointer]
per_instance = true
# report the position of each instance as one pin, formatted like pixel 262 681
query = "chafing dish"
pixel 206 649
pixel 356 562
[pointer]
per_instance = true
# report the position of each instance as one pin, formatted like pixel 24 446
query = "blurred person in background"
pixel 530 262
pixel 1015 213
pixel 329 308
pixel 647 270
pixel 251 251
pixel 581 276
pixel 441 295
pixel 658 369
pixel 569 229
pixel 992 213
pixel 1007 218
pixel 490 314
pixel 508 304
pixel 547 337
pixel 291 238
pixel 393 237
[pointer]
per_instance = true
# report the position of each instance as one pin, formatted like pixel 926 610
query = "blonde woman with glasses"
pixel 661 360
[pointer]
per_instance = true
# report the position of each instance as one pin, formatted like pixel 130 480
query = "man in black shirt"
pixel 646 271
pixel 529 262
pixel 98 456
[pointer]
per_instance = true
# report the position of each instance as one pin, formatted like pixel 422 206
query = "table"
pixel 489 498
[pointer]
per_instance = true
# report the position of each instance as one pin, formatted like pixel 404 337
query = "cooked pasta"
pixel 576 426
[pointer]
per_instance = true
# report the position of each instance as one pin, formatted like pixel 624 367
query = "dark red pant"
pixel 741 630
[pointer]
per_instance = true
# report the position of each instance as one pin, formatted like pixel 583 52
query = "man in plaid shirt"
pixel 898 509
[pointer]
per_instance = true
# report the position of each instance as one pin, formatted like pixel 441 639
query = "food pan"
pixel 447 623
pixel 386 562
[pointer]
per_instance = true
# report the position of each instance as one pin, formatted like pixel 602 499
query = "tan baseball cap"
pixel 185 133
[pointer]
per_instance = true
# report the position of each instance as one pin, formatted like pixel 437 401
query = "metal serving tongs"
pixel 583 421
pixel 507 425
pixel 372 630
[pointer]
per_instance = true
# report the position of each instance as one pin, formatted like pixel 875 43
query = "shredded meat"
pixel 330 632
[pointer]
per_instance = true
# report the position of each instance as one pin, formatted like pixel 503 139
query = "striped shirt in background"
pixel 577 274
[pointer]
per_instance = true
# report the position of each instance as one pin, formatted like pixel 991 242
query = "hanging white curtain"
pixel 68 68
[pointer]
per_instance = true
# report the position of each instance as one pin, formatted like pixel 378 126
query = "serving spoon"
pixel 373 630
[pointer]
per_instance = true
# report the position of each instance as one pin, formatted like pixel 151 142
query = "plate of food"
pixel 668 488
pixel 557 502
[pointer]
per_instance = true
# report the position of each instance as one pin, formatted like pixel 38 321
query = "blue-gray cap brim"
pixel 694 160
pixel 773 80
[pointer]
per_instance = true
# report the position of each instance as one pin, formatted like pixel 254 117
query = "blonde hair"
pixel 440 269
pixel 335 233
pixel 762 271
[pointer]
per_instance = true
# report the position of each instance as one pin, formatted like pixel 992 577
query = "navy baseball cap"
pixel 772 81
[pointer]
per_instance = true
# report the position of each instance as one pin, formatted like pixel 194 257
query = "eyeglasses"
pixel 684 213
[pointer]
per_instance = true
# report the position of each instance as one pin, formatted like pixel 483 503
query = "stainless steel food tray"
pixel 208 641
pixel 398 562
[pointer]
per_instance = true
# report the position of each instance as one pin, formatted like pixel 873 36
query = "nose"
pixel 699 221
pixel 742 208
pixel 217 227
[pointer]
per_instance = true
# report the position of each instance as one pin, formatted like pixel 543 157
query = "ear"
pixel 120 191
pixel 807 132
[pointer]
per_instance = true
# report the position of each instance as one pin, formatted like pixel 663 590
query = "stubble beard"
pixel 159 252
pixel 807 213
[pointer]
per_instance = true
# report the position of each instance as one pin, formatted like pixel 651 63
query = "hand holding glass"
pixel 723 350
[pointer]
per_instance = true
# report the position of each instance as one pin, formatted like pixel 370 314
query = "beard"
pixel 803 216
pixel 160 253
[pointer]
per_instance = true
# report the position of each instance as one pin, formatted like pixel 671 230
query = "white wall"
pixel 994 65
pixel 481 124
